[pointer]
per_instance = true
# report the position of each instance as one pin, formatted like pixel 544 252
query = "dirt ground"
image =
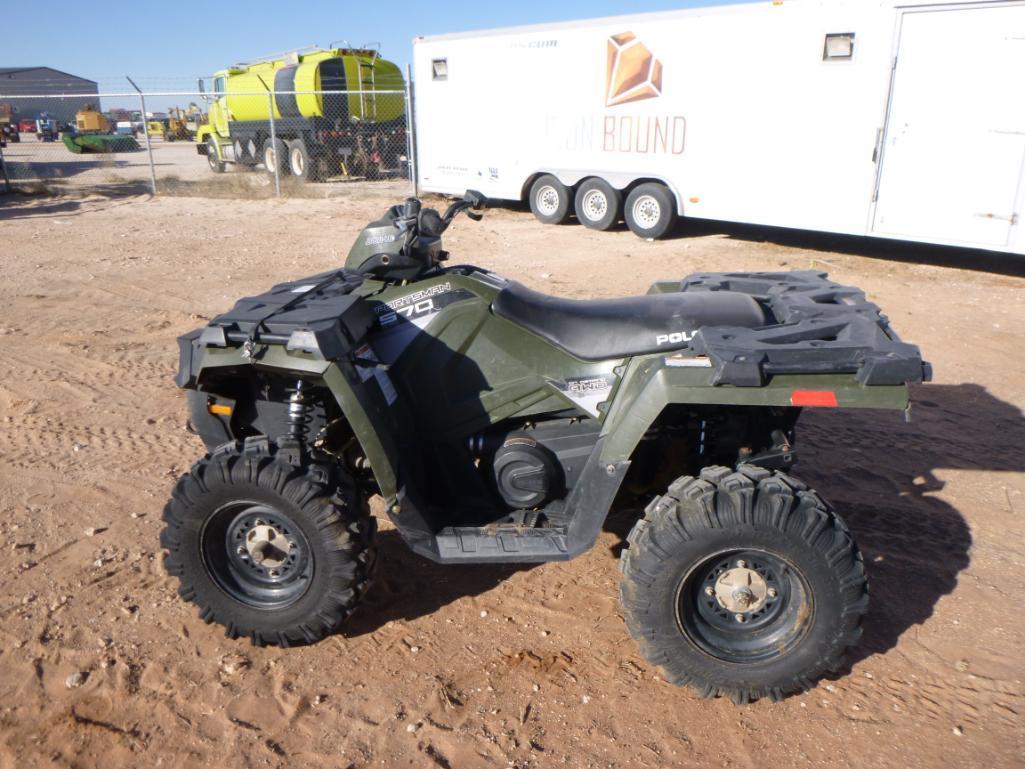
pixel 101 665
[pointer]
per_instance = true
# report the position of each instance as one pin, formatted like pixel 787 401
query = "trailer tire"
pixel 274 151
pixel 598 204
pixel 213 156
pixel 650 211
pixel 550 200
pixel 743 583
pixel 301 165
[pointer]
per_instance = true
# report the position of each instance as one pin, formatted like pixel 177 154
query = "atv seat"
pixel 601 329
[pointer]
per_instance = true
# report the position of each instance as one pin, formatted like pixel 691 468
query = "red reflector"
pixel 813 398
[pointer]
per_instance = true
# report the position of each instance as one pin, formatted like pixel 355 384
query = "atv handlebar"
pixel 472 201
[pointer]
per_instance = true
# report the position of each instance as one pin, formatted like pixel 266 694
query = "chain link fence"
pixel 249 144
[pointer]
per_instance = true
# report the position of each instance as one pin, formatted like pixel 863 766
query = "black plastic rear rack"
pixel 821 327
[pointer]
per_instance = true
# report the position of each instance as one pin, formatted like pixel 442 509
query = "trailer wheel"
pixel 550 200
pixel 650 211
pixel 275 152
pixel 213 156
pixel 302 166
pixel 598 204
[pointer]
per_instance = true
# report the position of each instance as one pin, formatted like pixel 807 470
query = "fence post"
pixel 274 144
pixel 145 129
pixel 273 137
pixel 3 167
pixel 411 133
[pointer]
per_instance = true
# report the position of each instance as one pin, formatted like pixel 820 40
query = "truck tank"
pixel 361 72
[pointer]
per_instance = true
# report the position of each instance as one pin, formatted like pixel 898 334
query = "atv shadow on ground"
pixel 408 586
pixel 881 474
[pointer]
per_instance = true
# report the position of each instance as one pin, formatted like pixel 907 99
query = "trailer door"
pixel 954 145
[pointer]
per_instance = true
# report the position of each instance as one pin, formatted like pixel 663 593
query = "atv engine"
pixel 537 462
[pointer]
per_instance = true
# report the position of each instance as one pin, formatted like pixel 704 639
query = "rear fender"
pixel 651 383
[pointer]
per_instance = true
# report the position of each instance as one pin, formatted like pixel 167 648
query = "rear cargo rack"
pixel 821 327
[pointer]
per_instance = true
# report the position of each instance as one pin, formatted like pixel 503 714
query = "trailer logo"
pixel 632 72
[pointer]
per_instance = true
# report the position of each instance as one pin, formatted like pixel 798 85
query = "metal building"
pixel 49 84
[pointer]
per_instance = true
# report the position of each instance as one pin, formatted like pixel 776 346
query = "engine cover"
pixel 524 472
pixel 537 462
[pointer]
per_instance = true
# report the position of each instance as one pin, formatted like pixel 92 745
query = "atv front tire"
pixel 273 547
pixel 743 583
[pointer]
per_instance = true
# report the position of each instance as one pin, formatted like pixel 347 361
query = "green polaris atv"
pixel 499 425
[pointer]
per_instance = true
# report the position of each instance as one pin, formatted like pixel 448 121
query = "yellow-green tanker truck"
pixel 358 129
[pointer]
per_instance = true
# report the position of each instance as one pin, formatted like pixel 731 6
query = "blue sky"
pixel 167 46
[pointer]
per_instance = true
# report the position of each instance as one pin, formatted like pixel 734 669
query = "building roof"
pixel 15 70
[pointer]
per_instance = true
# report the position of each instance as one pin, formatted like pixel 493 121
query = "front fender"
pixel 362 399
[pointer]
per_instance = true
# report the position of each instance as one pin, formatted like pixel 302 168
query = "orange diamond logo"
pixel 632 72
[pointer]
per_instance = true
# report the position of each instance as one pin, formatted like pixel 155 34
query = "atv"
pixel 499 424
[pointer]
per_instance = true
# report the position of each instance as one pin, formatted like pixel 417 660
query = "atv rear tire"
pixel 743 583
pixel 269 546
pixel 550 201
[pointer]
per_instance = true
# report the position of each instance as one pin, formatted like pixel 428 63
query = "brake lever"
pixel 475 216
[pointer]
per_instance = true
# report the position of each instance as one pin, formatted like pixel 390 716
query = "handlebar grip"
pixel 476 199
pixel 411 207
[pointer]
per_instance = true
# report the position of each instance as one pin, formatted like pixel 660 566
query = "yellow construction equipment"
pixel 89 120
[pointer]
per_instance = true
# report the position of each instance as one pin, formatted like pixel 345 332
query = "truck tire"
pixel 301 165
pixel 743 583
pixel 650 210
pixel 598 204
pixel 272 548
pixel 275 151
pixel 550 200
pixel 213 157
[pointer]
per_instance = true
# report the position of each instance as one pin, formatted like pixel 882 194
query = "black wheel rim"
pixel 711 613
pixel 257 555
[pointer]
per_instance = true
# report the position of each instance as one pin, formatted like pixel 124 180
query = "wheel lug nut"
pixel 739 617
pixel 741 564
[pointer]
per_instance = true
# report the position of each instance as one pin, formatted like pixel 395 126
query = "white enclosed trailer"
pixel 869 117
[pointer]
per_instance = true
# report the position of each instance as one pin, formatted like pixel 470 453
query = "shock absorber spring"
pixel 300 411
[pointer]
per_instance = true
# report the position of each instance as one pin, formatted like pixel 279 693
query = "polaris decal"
pixel 377 240
pixel 401 320
pixel 586 392
pixel 419 304
pixel 676 337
